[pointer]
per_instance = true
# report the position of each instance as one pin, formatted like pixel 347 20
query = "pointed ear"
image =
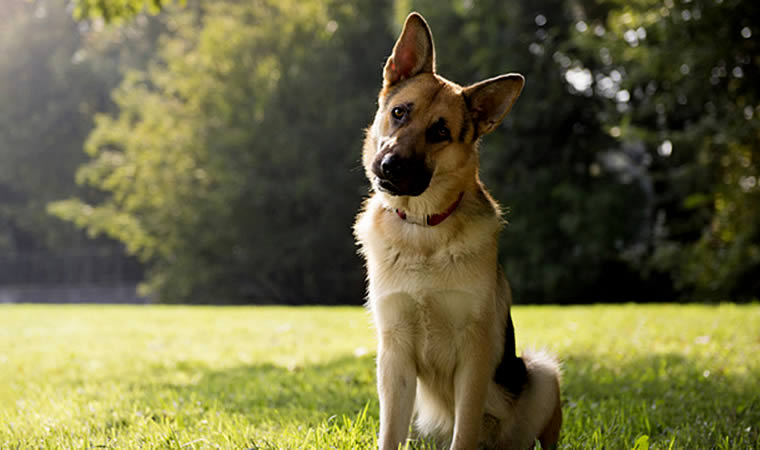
pixel 413 52
pixel 490 100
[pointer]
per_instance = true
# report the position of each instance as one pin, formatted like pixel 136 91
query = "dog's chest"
pixel 428 287
pixel 433 303
pixel 459 267
pixel 431 323
pixel 441 321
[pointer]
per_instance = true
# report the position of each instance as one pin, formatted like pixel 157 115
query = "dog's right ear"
pixel 413 53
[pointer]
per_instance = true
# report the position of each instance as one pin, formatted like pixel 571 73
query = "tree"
pixel 51 87
pixel 56 73
pixel 682 77
pixel 230 167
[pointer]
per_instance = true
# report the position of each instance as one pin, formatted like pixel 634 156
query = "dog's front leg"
pixel 397 383
pixel 470 387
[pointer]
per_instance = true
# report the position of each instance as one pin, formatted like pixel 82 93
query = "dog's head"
pixel 425 131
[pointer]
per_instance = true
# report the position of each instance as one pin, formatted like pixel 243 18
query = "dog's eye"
pixel 439 132
pixel 398 113
pixel 443 132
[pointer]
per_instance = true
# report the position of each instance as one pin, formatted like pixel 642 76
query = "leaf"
pixel 695 201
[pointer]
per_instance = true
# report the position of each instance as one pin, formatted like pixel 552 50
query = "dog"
pixel 429 236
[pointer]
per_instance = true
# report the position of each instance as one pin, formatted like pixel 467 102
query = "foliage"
pixel 56 74
pixel 117 11
pixel 683 79
pixel 54 80
pixel 40 147
pixel 262 377
pixel 232 155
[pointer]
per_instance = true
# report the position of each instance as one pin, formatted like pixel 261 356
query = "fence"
pixel 92 275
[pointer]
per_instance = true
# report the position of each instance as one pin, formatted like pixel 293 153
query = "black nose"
pixel 392 166
pixel 399 175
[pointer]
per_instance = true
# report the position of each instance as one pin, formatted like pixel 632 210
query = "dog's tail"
pixel 538 406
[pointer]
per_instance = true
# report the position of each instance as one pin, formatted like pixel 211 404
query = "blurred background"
pixel 209 152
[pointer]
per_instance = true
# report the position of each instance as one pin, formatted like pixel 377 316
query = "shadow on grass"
pixel 667 397
pixel 607 403
pixel 270 393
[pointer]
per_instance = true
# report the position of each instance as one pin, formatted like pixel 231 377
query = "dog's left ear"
pixel 490 100
pixel 413 53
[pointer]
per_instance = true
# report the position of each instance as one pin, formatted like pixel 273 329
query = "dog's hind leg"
pixel 536 413
pixel 541 403
pixel 549 436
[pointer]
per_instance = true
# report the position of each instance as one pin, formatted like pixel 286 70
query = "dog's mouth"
pixel 386 186
pixel 411 188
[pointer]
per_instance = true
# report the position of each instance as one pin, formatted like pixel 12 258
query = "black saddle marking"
pixel 511 373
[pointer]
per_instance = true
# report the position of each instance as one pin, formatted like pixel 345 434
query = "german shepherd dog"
pixel 429 235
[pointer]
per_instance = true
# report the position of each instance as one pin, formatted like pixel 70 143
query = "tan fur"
pixel 436 293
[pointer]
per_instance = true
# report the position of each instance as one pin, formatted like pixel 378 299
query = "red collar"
pixel 435 219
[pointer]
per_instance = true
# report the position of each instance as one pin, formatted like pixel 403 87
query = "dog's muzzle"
pixel 399 175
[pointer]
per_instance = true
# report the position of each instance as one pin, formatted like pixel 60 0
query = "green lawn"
pixel 272 377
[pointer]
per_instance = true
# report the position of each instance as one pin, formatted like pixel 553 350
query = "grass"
pixel 660 376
